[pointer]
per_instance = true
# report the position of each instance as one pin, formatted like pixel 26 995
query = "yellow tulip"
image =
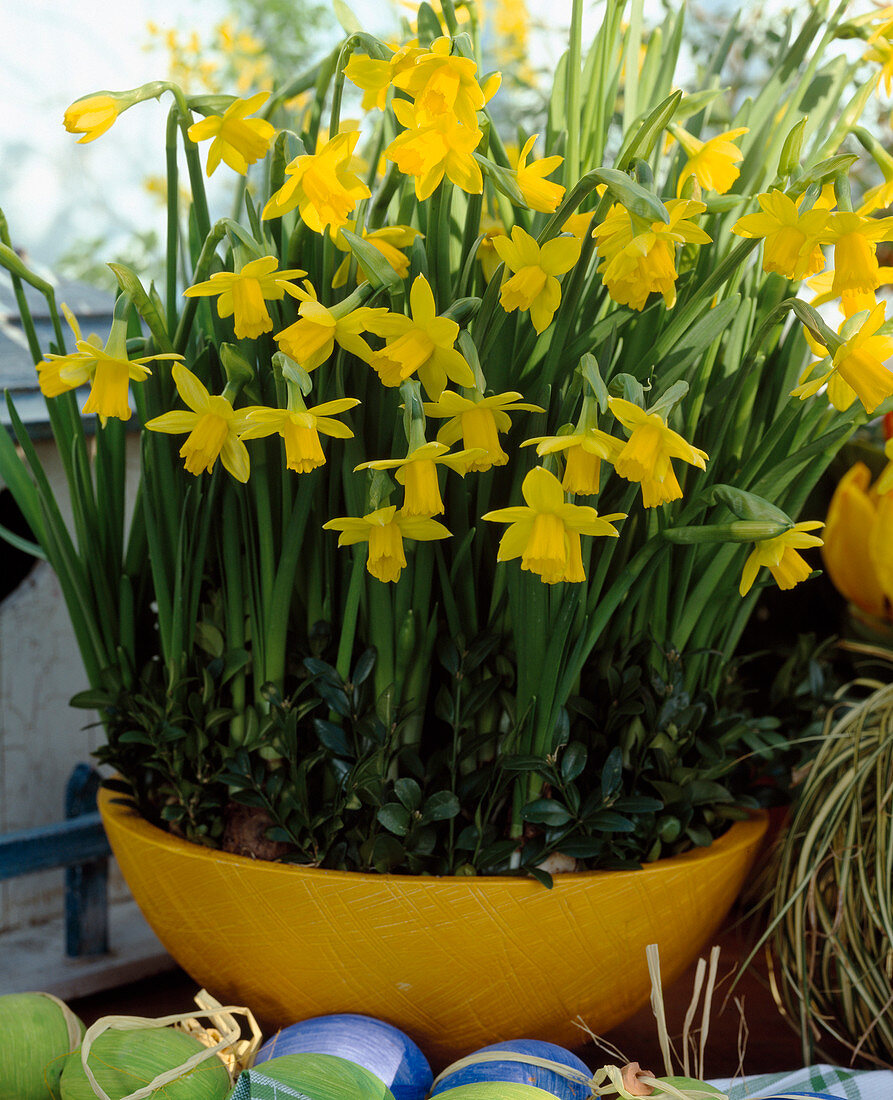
pixel 858 550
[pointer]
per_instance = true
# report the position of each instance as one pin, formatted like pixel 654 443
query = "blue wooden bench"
pixel 79 845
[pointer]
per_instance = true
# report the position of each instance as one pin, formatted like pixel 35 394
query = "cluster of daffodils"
pixel 429 345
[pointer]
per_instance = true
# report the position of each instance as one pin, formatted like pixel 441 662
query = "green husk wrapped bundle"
pixel 39 1032
pixel 310 1077
pixel 146 1062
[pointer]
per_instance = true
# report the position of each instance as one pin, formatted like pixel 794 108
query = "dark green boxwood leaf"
pixel 606 821
pixel 573 761
pixel 409 793
pixel 395 818
pixel 441 806
pixel 546 811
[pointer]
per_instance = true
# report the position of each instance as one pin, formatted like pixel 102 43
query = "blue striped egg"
pixel 379 1047
pixel 523 1072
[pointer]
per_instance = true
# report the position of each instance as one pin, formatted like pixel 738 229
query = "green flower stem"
pixel 173 218
pixel 276 628
pixel 568 313
pixel 449 17
pixel 631 55
pixel 572 92
pixel 381 634
pixel 202 270
pixel 351 611
pixel 624 588
pixel 437 244
pixel 234 606
pixel 259 487
pixel 196 177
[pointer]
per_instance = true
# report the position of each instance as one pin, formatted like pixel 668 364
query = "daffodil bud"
pixel 238 369
pixel 739 531
pixel 92 115
pixel 750 507
pixel 791 150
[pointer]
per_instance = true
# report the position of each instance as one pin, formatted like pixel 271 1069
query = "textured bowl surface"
pixel 457 963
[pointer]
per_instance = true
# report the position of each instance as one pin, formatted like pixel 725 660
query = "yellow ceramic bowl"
pixel 457 963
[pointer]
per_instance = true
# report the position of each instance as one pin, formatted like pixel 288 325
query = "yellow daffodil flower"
pixel 213 426
pixel 840 394
pixel 545 534
pixel 790 238
pixel 429 151
pixel 312 338
pixel 489 229
pixel 538 192
pixel 646 455
pixel 238 140
pixel 477 422
pixel 107 368
pixel 300 430
pixel 876 198
pixel 584 452
pixel 443 84
pixel 859 362
pixel 417 473
pixel 388 240
pixel 487 254
pixel 374 76
pixel 323 185
pixel 91 116
pixel 422 343
pixel 880 49
pixel 534 284
pixel 384 530
pixel 578 224
pixel 858 548
pixel 851 301
pixel 885 481
pixel 243 295
pixel 712 163
pixel 855 238
pixel 635 262
pixel 781 557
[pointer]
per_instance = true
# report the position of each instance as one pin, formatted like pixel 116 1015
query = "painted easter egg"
pixel 373 1044
pixel 123 1061
pixel 496 1090
pixel 39 1032
pixel 309 1077
pixel 511 1069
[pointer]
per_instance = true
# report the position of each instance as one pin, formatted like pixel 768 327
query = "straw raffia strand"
pixel 240 1053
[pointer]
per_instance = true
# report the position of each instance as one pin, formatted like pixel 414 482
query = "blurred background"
pixel 73 207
